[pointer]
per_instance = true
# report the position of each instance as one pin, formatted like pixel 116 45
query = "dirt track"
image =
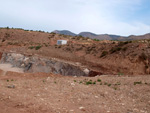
pixel 43 93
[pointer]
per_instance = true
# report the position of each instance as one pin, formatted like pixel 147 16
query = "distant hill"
pixel 100 37
pixel 133 37
pixel 104 36
pixel 64 32
pixel 89 34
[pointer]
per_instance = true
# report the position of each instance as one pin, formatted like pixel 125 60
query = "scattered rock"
pixel 11 86
pixel 82 108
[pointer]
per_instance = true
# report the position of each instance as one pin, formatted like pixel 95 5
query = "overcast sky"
pixel 121 17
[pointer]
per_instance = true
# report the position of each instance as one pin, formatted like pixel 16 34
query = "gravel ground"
pixel 48 93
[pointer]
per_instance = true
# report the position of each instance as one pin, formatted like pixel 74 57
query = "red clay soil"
pixel 106 57
pixel 47 93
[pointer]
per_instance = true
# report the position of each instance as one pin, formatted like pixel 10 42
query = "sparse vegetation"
pixel 124 43
pixel 109 85
pixel 99 80
pixel 120 73
pixel 104 53
pixel 35 47
pixel 32 47
pixel 96 39
pixel 89 82
pixel 38 47
pixel 135 83
pixel 143 56
pixel 115 88
pixel 118 83
pixel 115 49
pixel 13 43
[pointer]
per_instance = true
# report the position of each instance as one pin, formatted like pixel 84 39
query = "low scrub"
pixel 38 47
pixel 96 39
pixel 104 53
pixel 135 83
pixel 35 47
pixel 143 56
pixel 115 49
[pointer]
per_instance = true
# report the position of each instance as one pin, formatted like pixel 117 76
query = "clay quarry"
pixel 84 75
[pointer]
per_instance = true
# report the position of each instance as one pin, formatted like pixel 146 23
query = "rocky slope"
pixel 102 57
pixel 34 64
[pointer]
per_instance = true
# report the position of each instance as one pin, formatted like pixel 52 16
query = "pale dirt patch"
pixel 9 67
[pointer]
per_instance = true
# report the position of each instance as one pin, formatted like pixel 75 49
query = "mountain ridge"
pixel 89 34
pixel 104 36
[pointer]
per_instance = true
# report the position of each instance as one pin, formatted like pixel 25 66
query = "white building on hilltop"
pixel 61 42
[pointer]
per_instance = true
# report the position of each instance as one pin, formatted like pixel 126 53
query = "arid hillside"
pixel 83 76
pixel 104 57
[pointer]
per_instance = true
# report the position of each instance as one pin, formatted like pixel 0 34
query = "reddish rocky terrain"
pixel 105 57
pixel 48 93
pixel 120 81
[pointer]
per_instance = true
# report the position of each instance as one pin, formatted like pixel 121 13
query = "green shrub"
pixel 104 53
pixel 38 47
pixel 94 82
pixel 31 47
pixel 80 82
pixel 99 80
pixel 115 88
pixel 96 39
pixel 120 74
pixel 89 82
pixel 109 85
pixel 118 83
pixel 7 27
pixel 135 83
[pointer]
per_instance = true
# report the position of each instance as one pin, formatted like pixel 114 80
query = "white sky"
pixel 121 17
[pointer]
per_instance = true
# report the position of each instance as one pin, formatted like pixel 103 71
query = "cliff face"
pixel 35 64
